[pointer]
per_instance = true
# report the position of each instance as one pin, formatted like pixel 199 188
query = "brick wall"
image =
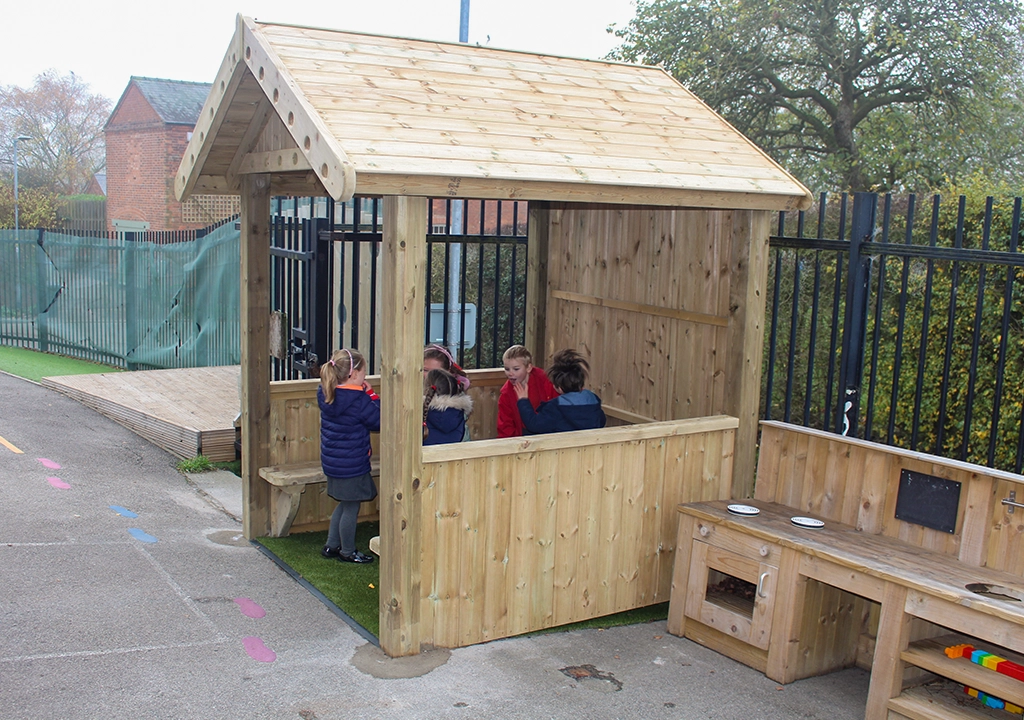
pixel 143 154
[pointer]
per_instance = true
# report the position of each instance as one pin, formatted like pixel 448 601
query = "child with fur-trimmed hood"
pixel 445 409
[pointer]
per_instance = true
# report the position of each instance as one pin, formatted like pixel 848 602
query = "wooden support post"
pixel 537 290
pixel 255 332
pixel 891 640
pixel 405 253
pixel 748 275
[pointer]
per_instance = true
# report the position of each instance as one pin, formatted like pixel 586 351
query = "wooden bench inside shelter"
pixel 868 588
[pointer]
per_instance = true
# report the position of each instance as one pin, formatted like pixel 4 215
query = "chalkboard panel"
pixel 928 500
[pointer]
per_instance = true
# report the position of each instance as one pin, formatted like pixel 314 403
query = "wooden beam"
pixel 211 117
pixel 274 161
pixel 694 317
pixel 320 148
pixel 249 139
pixel 405 254
pixel 371 183
pixel 255 333
pixel 537 234
pixel 748 275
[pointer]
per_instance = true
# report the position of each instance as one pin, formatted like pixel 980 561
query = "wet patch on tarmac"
pixel 371 660
pixel 232 538
pixel 589 672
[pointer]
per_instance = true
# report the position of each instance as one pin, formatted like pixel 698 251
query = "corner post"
pixel 254 306
pixel 404 273
pixel 537 237
pixel 748 271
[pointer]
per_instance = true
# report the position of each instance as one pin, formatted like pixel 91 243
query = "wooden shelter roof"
pixel 331 112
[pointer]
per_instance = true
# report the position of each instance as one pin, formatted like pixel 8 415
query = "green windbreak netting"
pixel 131 304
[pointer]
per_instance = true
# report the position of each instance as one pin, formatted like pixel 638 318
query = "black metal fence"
pixel 901 324
pixel 325 279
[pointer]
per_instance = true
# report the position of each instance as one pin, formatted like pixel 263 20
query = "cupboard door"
pixel 731 611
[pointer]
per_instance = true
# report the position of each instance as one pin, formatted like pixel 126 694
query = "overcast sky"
pixel 107 41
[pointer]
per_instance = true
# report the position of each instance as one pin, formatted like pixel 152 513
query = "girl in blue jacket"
pixel 446 406
pixel 349 412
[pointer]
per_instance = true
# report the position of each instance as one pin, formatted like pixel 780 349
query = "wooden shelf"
pixel 943 701
pixel 930 655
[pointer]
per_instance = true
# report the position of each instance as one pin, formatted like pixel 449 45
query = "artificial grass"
pixel 34 365
pixel 353 588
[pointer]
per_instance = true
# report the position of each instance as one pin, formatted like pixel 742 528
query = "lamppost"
pixel 16 140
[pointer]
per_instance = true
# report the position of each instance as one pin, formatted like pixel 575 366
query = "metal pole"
pixel 16 140
pixel 464 22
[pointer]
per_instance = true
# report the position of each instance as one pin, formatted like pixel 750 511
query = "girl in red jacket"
pixel 519 369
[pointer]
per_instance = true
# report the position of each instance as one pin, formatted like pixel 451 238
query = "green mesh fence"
pixel 138 305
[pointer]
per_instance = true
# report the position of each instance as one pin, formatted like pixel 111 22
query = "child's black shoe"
pixel 356 557
pixel 330 553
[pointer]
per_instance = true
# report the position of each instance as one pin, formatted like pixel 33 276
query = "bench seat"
pixel 288 482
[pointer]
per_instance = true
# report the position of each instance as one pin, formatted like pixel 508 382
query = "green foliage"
pixel 850 95
pixel 961 301
pixel 37 207
pixel 198 464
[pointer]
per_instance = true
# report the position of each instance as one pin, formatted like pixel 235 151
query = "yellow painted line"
pixel 10 447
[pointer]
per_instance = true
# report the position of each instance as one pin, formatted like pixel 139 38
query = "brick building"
pixel 146 136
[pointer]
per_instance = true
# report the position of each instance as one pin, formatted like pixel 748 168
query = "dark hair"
pixel 436 352
pixel 568 371
pixel 438 382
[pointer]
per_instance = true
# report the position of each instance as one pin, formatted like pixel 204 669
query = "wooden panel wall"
pixel 659 300
pixel 856 482
pixel 527 533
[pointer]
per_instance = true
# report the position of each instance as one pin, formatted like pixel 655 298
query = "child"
pixel 519 369
pixel 349 411
pixel 436 357
pixel 573 409
pixel 445 409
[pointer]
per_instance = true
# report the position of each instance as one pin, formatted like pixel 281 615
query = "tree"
pixel 811 80
pixel 65 122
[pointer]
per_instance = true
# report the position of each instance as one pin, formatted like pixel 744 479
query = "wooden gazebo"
pixel 648 240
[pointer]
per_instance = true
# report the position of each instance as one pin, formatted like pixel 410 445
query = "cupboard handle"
pixel 760 585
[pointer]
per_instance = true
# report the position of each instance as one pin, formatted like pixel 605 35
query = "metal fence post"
pixel 855 319
pixel 42 296
pixel 131 303
pixel 319 306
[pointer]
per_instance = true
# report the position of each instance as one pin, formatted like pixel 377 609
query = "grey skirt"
pixel 357 489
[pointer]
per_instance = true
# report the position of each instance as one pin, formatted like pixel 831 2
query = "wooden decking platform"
pixel 187 412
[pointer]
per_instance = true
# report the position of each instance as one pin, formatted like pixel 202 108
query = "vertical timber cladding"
pixel 570 527
pixel 644 294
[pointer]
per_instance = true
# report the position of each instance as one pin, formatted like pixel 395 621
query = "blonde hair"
pixel 517 352
pixel 338 369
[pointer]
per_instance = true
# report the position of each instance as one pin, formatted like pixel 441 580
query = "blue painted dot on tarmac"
pixel 141 535
pixel 123 512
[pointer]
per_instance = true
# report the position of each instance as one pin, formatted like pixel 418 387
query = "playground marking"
pixel 123 512
pixel 10 447
pixel 250 608
pixel 58 483
pixel 142 535
pixel 49 464
pixel 257 650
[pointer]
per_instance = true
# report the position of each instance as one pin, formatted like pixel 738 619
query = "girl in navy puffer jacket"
pixel 349 411
pixel 446 406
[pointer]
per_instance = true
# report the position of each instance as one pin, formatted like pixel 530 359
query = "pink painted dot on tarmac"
pixel 257 650
pixel 49 464
pixel 250 608
pixel 58 483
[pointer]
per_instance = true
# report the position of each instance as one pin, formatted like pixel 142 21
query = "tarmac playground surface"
pixel 128 591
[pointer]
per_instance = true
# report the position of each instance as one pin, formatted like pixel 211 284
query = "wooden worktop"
pixel 878 556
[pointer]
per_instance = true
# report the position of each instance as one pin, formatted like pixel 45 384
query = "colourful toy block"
pixel 1012 670
pixel 992 661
